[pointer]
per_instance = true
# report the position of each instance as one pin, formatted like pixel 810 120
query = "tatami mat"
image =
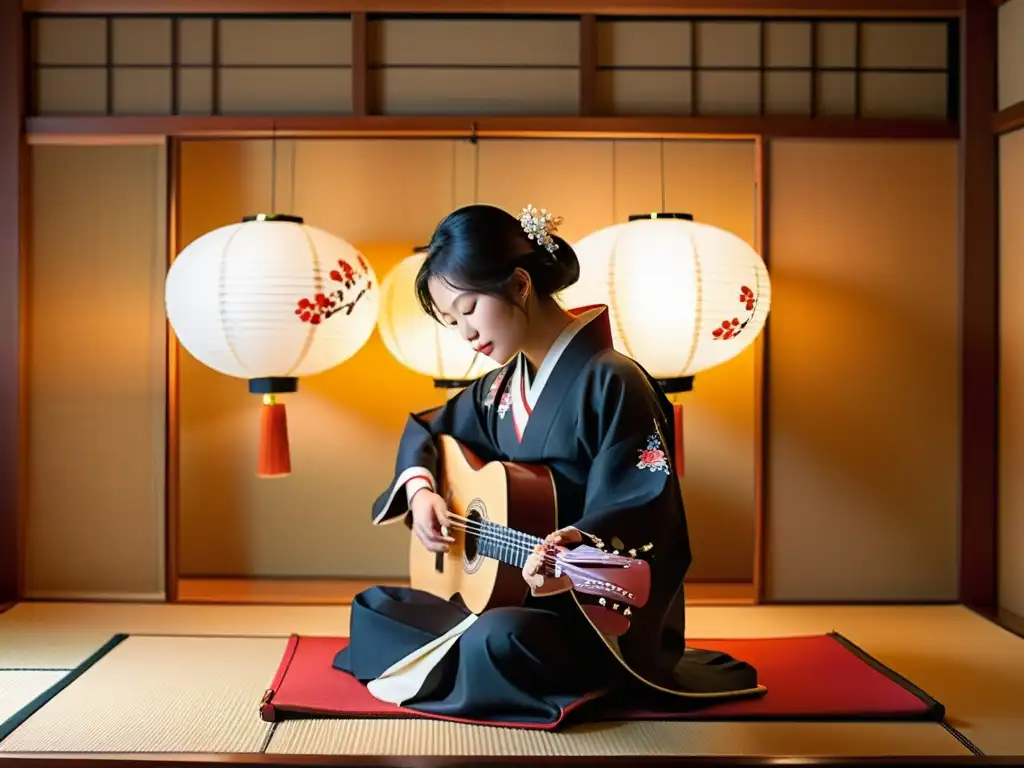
pixel 378 737
pixel 160 694
pixel 200 694
pixel 19 687
pixel 973 667
pixel 51 635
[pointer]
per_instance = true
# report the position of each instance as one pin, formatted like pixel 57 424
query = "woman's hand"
pixel 535 569
pixel 429 516
pixel 539 567
pixel 564 536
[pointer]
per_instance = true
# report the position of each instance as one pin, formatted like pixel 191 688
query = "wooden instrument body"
pixel 518 496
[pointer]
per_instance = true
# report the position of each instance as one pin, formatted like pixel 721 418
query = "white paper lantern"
pixel 683 296
pixel 271 299
pixel 417 340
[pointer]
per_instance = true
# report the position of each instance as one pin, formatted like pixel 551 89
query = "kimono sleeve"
pixel 464 417
pixel 632 496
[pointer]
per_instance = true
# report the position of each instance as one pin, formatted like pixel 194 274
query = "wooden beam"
pixel 1009 119
pixel 41 128
pixel 13 197
pixel 588 65
pixel 979 313
pixel 361 101
pixel 889 8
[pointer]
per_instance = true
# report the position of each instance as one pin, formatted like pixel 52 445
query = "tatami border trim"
pixel 18 718
pixel 935 713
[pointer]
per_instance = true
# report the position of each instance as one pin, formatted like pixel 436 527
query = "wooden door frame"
pixel 173 444
pixel 978 320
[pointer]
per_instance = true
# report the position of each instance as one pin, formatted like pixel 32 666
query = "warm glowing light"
pixel 271 299
pixel 417 340
pixel 683 296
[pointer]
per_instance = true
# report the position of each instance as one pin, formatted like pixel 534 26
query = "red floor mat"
pixel 822 677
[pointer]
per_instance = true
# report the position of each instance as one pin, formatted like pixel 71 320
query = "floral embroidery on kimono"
pixel 493 391
pixel 653 457
pixel 505 404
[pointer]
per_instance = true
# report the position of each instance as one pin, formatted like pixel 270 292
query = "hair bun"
pixel 559 269
pixel 479 248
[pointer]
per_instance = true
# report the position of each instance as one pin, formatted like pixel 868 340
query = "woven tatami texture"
pixel 160 694
pixel 379 737
pixel 969 664
pixel 196 694
pixel 19 687
pixel 62 635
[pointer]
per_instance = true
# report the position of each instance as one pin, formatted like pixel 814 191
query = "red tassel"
pixel 274 458
pixel 677 412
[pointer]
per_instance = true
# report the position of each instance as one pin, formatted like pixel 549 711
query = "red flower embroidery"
pixel 653 456
pixel 731 328
pixel 324 305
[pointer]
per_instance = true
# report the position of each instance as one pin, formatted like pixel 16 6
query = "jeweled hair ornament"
pixel 539 226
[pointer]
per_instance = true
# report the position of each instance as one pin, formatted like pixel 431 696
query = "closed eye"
pixel 470 310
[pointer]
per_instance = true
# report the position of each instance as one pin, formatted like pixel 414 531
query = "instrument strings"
pixel 508 539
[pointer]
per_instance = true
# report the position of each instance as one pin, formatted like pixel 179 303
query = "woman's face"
pixel 493 326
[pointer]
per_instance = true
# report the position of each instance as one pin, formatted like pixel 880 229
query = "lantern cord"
pixel 615 145
pixel 455 175
pixel 476 172
pixel 273 167
pixel 291 180
pixel 662 148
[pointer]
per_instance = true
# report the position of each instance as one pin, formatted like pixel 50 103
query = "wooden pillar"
pixel 13 189
pixel 979 307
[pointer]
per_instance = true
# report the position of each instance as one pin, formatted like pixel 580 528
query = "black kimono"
pixel 603 427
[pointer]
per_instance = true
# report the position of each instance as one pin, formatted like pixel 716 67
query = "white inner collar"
pixel 535 387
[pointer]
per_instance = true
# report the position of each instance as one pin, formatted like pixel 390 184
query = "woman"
pixel 564 398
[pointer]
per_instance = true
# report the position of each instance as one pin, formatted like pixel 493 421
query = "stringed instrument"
pixel 498 513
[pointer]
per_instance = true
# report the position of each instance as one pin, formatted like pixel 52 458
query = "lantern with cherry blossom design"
pixel 271 299
pixel 417 340
pixel 682 296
